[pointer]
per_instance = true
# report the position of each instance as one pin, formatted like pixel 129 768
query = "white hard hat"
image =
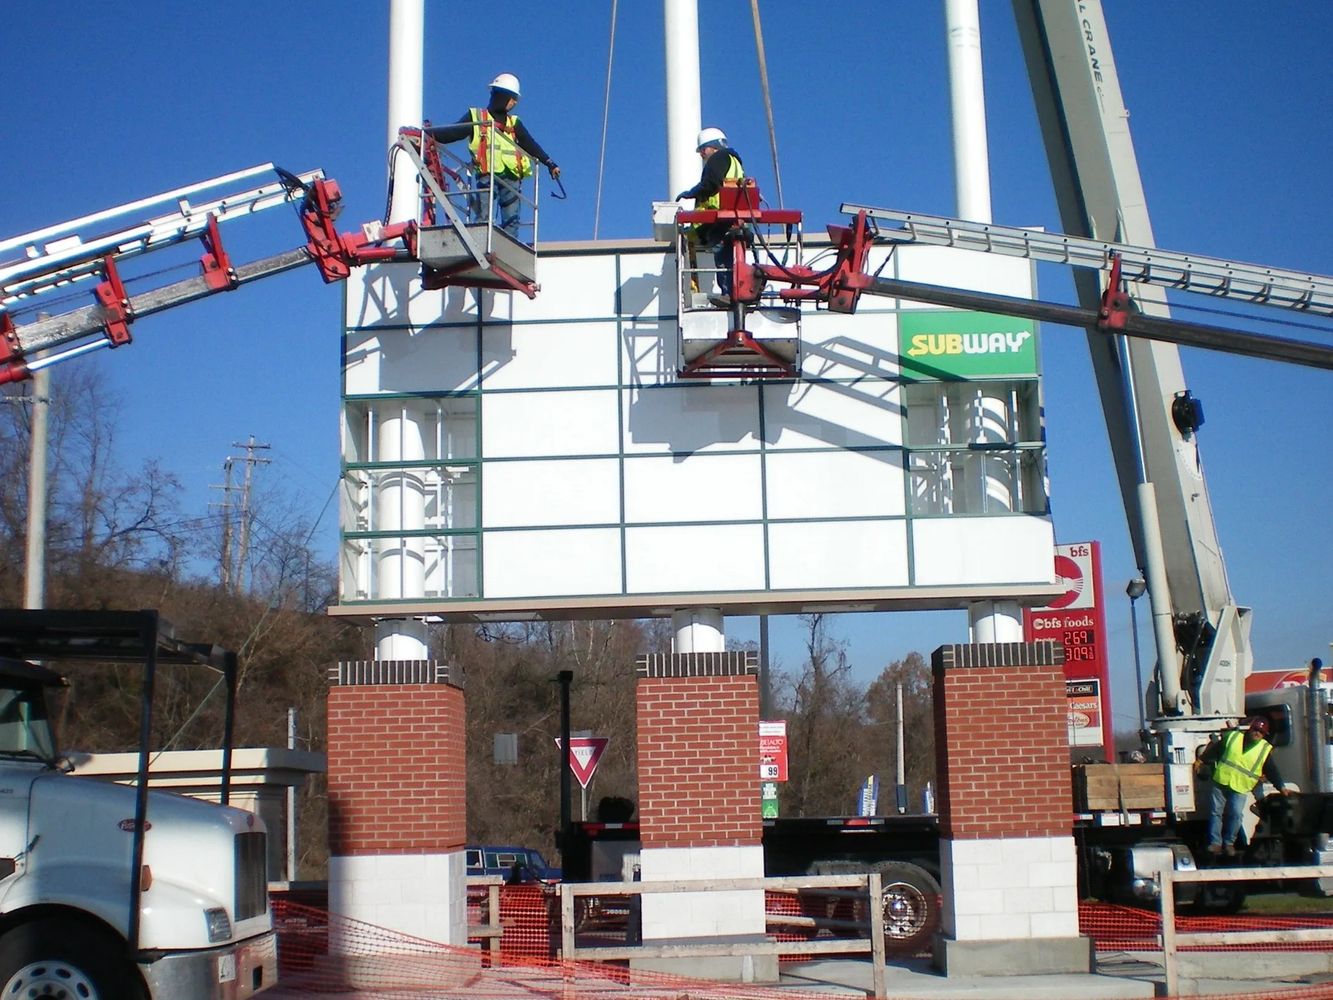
pixel 710 136
pixel 506 81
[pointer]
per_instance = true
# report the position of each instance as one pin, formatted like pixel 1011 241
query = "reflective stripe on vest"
pixel 1240 768
pixel 735 172
pixel 496 139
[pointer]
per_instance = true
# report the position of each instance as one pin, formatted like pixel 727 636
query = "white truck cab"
pixel 80 915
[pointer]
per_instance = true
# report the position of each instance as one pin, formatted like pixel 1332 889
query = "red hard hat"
pixel 1258 725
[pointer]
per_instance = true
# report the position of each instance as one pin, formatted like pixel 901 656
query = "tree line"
pixel 120 537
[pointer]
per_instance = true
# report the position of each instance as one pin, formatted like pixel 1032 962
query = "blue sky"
pixel 1230 110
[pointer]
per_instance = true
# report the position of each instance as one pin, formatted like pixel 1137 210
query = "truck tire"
pixel 911 901
pixel 843 911
pixel 1220 900
pixel 51 957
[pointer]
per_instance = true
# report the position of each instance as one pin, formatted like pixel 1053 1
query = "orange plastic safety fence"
pixel 1319 991
pixel 320 952
pixel 1126 928
pixel 530 917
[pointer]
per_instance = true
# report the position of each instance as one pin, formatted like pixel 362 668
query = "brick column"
pixel 397 805
pixel 699 808
pixel 1006 811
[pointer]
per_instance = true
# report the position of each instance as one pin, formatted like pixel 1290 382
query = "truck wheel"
pixel 841 910
pixel 65 959
pixel 1221 900
pixel 911 900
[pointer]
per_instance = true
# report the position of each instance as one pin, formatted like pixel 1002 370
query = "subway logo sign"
pixel 945 344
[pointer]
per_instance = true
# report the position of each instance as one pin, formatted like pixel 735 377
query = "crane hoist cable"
pixel 768 97
pixel 606 114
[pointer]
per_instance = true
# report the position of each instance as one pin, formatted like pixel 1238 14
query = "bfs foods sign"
pixel 1077 619
pixel 943 344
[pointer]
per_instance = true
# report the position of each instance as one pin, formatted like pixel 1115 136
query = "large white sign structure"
pixel 559 466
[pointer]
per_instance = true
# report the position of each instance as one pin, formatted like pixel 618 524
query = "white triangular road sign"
pixel 584 753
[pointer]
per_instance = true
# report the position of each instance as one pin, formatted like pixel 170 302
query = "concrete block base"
pixel 444 971
pixel 1241 965
pixel 737 968
pixel 1013 956
pixel 422 895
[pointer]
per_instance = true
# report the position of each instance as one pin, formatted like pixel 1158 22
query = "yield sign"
pixel 584 753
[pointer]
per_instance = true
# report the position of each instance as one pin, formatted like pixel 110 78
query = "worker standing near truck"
pixel 1239 760
pixel 721 164
pixel 498 142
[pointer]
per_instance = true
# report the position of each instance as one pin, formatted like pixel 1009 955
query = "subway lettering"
pixel 967 343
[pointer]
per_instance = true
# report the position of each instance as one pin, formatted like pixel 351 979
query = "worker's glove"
pixel 554 170
pixel 410 132
pixel 683 196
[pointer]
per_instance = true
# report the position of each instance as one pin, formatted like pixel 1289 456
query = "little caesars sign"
pixel 959 345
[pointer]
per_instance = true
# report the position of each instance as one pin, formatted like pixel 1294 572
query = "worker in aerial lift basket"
pixel 1239 760
pixel 498 142
pixel 721 164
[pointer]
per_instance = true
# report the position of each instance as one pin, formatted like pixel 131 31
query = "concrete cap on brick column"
pixel 732 664
pixel 361 672
pixel 1045 653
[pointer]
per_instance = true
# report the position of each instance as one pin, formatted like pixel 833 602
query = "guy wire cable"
pixel 768 97
pixel 606 113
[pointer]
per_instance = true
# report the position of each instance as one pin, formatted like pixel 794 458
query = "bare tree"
pixel 103 521
pixel 511 688
pixel 913 673
pixel 825 720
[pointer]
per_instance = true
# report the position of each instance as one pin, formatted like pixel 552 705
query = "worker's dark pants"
pixel 1228 809
pixel 711 235
pixel 506 197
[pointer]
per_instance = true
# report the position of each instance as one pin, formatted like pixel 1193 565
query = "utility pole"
pixel 225 506
pixel 34 576
pixel 900 789
pixel 250 462
pixel 291 802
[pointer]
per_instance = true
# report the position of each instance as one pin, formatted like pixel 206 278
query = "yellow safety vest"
pixel 496 140
pixel 735 172
pixel 1240 768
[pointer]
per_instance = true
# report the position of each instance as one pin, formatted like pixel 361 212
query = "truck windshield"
pixel 24 729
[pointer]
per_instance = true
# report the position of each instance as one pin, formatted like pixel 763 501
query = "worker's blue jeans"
pixel 506 198
pixel 1228 809
pixel 711 235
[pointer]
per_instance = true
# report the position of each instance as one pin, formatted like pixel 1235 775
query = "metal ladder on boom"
pixel 61 254
pixel 58 257
pixel 1310 293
